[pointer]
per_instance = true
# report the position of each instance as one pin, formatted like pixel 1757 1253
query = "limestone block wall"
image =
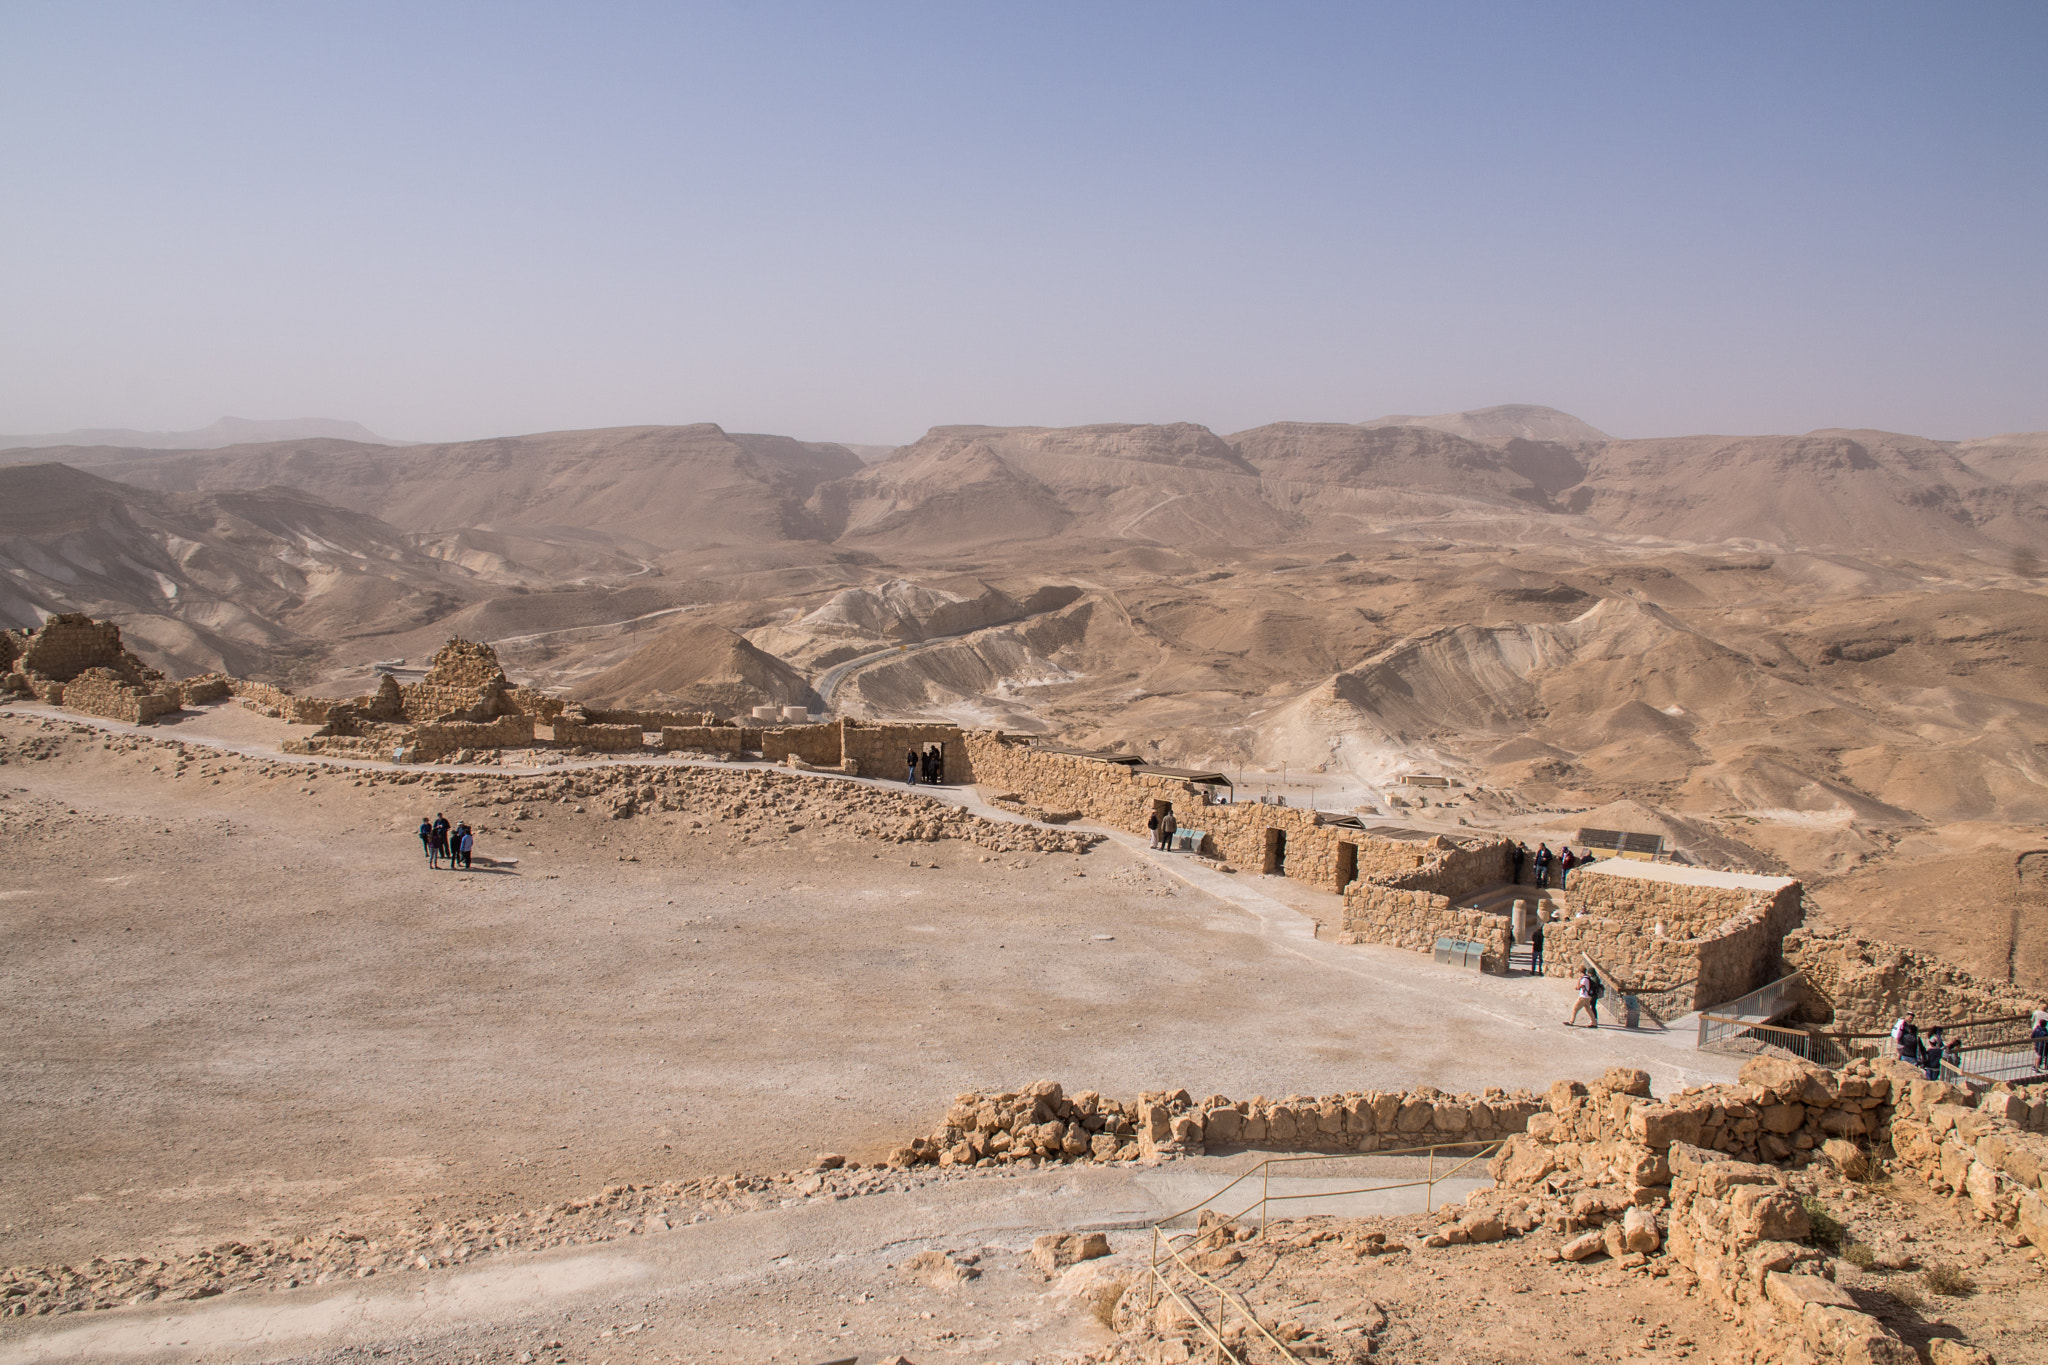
pixel 427 701
pixel 431 741
pixel 1241 833
pixel 1989 1148
pixel 1042 1123
pixel 707 739
pixel 649 721
pixel 71 642
pixel 100 692
pixel 465 664
pixel 1416 919
pixel 571 729
pixel 878 749
pixel 206 689
pixel 1861 985
pixel 1685 910
pixel 821 746
pixel 267 700
pixel 539 705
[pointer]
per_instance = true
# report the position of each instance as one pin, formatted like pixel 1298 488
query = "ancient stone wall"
pixel 99 692
pixel 206 689
pixel 877 750
pixel 1247 835
pixel 1861 985
pixel 819 746
pixel 465 664
pixel 573 728
pixel 432 741
pixel 1042 1123
pixel 1416 919
pixel 539 705
pixel 71 642
pixel 703 739
pixel 649 721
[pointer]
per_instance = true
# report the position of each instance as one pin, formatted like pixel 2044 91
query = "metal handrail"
pixel 1166 1240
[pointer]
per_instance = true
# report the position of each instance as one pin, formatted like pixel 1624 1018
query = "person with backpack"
pixel 1152 827
pixel 441 839
pixel 1536 948
pixel 1585 1001
pixel 1930 1054
pixel 1543 865
pixel 1599 993
pixel 1906 1039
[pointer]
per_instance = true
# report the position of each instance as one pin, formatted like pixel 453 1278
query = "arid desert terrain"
pixel 570 1103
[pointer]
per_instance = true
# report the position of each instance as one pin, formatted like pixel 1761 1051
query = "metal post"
pixel 1429 1194
pixel 1265 1191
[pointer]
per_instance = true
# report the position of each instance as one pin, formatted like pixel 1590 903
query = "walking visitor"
pixel 441 838
pixel 1585 1002
pixel 1543 865
pixel 2040 1036
pixel 910 761
pixel 1906 1039
pixel 427 838
pixel 464 842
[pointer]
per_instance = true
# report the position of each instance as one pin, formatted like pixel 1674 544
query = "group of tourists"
pixel 1162 824
pixel 928 767
pixel 1545 862
pixel 1929 1050
pixel 442 840
pixel 1925 1050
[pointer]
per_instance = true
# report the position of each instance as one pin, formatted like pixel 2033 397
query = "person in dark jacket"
pixel 427 838
pixel 441 839
pixel 910 761
pixel 1930 1053
pixel 1152 827
pixel 1167 825
pixel 465 840
pixel 1566 861
pixel 1536 948
pixel 2040 1036
pixel 1520 856
pixel 1543 865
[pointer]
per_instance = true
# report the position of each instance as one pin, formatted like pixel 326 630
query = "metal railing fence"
pixel 1169 1245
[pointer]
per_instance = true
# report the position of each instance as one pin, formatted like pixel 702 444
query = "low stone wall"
pixel 423 702
pixel 821 746
pixel 206 689
pixel 1042 1123
pixel 380 748
pixel 428 742
pixel 539 705
pixel 611 739
pixel 1416 919
pixel 1991 1149
pixel 649 721
pixel 98 692
pixel 268 700
pixel 704 739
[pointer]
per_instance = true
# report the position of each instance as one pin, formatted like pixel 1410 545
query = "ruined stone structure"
pixel 79 663
pixel 1691 936
pixel 1688 937
pixel 1043 1123
pixel 1861 985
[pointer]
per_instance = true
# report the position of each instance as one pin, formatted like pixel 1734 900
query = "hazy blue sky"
pixel 856 221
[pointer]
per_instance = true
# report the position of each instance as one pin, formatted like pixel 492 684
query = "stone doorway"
pixel 1347 865
pixel 1276 852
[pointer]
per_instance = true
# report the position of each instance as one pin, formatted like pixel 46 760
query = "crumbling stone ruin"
pixel 1043 1123
pixel 80 664
pixel 1722 1192
pixel 1861 985
pixel 1686 938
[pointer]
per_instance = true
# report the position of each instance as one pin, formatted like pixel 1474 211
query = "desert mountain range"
pixel 1825 652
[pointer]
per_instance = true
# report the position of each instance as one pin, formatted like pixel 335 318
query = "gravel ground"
pixel 238 1004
